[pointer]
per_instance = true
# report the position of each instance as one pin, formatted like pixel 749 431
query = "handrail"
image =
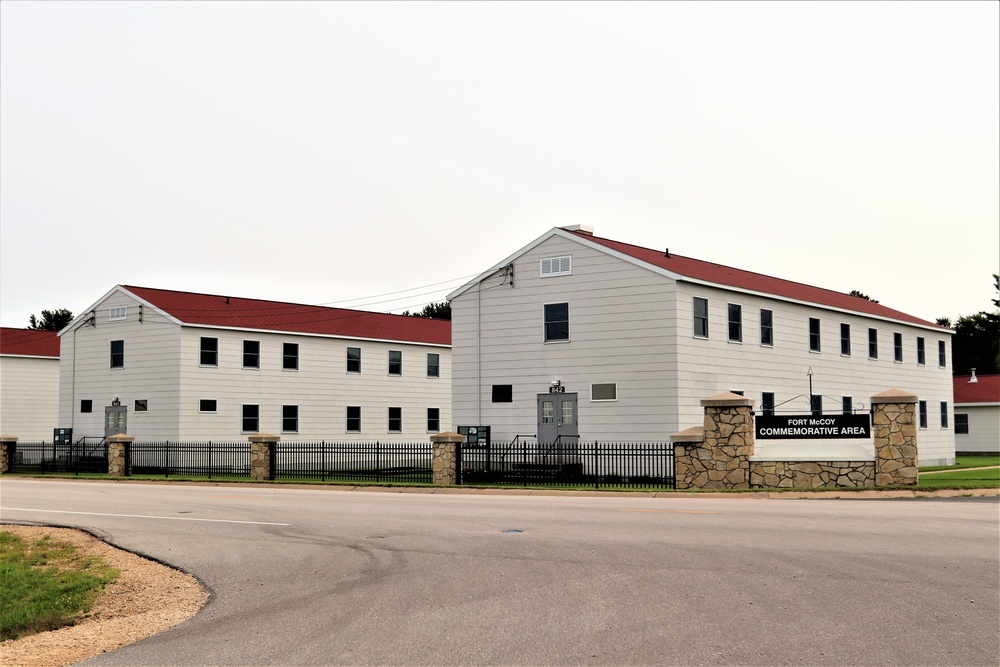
pixel 511 444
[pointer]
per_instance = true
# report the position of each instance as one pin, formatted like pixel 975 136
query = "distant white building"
pixel 29 383
pixel 575 334
pixel 182 366
pixel 977 414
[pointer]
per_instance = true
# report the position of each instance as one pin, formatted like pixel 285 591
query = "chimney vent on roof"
pixel 583 229
pixel 973 379
pixel 666 253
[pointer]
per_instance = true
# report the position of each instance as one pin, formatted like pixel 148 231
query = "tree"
pixel 435 311
pixel 977 339
pixel 861 295
pixel 52 320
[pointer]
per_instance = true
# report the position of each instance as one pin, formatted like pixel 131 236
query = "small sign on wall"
pixel 812 427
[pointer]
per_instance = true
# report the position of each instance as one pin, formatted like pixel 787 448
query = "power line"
pixel 412 289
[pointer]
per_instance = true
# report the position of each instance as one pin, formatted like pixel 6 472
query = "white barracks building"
pixel 181 366
pixel 575 334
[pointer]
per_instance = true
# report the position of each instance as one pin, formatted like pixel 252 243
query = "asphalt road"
pixel 305 576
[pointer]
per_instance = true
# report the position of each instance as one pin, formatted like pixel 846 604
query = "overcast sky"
pixel 330 153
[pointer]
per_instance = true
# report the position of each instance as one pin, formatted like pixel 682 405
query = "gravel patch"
pixel 147 598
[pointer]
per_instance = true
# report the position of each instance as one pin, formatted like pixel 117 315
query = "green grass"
pixel 966 462
pixel 46 584
pixel 962 479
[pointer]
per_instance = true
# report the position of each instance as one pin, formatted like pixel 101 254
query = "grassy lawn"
pixel 46 584
pixel 966 462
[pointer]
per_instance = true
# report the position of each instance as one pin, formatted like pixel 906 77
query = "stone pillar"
pixel 8 451
pixel 690 456
pixel 722 459
pixel 894 418
pixel 444 466
pixel 120 455
pixel 262 451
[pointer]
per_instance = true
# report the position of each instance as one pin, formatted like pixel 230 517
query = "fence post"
pixel 895 424
pixel 120 455
pixel 444 466
pixel 8 453
pixel 262 450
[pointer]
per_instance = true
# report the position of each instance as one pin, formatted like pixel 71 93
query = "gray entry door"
pixel 115 420
pixel 557 419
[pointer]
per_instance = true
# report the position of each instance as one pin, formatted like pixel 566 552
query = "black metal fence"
pixel 597 465
pixel 45 457
pixel 525 462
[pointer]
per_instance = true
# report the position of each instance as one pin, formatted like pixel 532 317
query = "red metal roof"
pixel 225 311
pixel 724 275
pixel 985 390
pixel 29 342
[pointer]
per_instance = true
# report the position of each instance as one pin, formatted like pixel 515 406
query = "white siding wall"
pixel 321 387
pixel 984 429
pixel 635 327
pixel 620 320
pixel 150 373
pixel 29 397
pixel 714 365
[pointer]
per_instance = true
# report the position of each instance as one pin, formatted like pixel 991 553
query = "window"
pixel 434 420
pixel 873 343
pixel 117 313
pixel 209 351
pixel 961 424
pixel 354 418
pixel 922 407
pixel 503 393
pixel 700 317
pixel 847 405
pixel 290 356
pixel 735 323
pixel 556 321
pixel 942 354
pixel 845 339
pixel 251 354
pixel 607 391
pixel 395 362
pixel 816 405
pixel 556 266
pixel 395 420
pixel 921 352
pixel 433 365
pixel 251 419
pixel 208 405
pixel 86 405
pixel 897 346
pixel 766 327
pixel 814 334
pixel 767 403
pixel 117 354
pixel 354 360
pixel 289 419
pixel 944 414
pixel 141 405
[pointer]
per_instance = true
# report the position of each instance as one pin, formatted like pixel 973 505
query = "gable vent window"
pixel 118 313
pixel 557 266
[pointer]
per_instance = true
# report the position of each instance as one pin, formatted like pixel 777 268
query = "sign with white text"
pixel 812 427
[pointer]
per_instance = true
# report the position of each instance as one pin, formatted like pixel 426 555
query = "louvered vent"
pixel 557 266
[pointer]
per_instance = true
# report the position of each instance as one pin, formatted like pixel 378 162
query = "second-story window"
pixel 556 322
pixel 897 346
pixel 209 351
pixel 873 343
pixel 735 323
pixel 354 360
pixel 117 354
pixel 921 351
pixel 814 342
pixel 700 317
pixel 766 327
pixel 395 362
pixel 290 356
pixel 942 354
pixel 251 354
pixel 433 365
pixel 845 339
